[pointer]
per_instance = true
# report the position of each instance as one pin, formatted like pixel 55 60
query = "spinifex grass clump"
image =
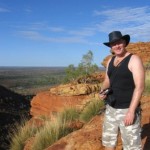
pixel 91 110
pixel 70 114
pixel 20 133
pixel 53 131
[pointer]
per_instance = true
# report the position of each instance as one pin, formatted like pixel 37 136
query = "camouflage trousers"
pixel 113 122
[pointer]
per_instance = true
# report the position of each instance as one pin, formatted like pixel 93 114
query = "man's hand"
pixel 129 118
pixel 102 94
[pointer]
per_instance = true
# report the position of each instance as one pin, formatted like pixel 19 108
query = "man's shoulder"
pixel 135 62
pixel 135 58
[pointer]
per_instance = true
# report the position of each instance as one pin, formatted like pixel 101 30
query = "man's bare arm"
pixel 137 69
pixel 138 72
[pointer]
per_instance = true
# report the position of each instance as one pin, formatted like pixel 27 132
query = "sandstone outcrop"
pixel 68 95
pixel 47 103
pixel 75 90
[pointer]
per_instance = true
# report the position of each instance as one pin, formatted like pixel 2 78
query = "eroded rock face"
pixel 140 48
pixel 47 104
pixel 63 96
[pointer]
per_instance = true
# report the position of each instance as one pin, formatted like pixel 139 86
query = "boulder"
pixel 75 89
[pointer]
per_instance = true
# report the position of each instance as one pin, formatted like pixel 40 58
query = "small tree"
pixel 87 61
pixel 87 64
pixel 84 68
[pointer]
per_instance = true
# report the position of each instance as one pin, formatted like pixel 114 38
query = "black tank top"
pixel 122 82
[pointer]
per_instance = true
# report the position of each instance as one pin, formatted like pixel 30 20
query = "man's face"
pixel 118 47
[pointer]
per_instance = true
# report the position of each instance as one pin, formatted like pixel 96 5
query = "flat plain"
pixel 30 80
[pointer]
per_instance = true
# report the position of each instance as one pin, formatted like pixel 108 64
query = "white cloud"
pixel 134 21
pixel 44 32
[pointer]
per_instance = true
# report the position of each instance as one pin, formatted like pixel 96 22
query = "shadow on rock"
pixel 146 136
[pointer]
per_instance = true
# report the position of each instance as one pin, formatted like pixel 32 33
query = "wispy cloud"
pixel 41 31
pixel 135 21
pixel 4 10
pixel 83 32
pixel 41 26
pixel 34 35
pixel 56 29
pixel 31 35
pixel 36 26
pixel 28 10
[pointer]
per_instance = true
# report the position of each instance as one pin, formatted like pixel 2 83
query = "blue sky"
pixel 60 32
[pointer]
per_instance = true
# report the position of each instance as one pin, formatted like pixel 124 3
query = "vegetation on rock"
pixel 52 131
pixel 84 69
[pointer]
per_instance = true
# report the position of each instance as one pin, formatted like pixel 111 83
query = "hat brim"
pixel 125 37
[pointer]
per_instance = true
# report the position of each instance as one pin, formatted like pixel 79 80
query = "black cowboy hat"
pixel 115 36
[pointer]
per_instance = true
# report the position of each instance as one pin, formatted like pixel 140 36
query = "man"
pixel 125 77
